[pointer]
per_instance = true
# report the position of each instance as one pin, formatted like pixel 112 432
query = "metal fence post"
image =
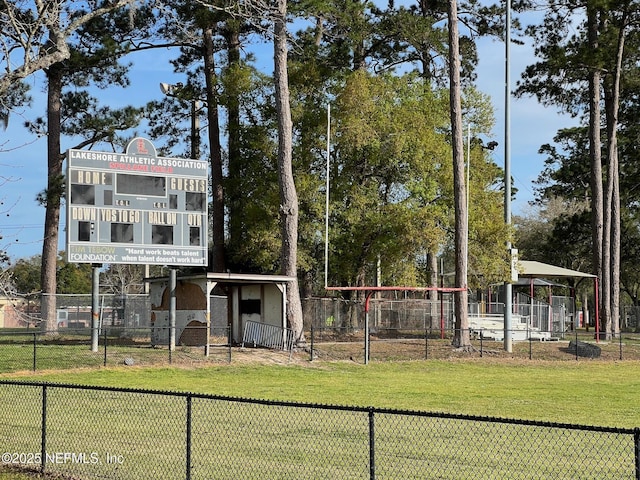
pixel 636 444
pixel 172 309
pixel 188 458
pixel 43 430
pixel 481 337
pixel 34 352
pixel 105 346
pixel 95 306
pixel 620 337
pixel 372 445
pixel 366 336
pixel 426 344
pixel 530 347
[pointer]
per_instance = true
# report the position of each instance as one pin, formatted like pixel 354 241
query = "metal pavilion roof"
pixel 531 269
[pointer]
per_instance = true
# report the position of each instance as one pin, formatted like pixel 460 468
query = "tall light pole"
pixel 172 91
pixel 507 174
pixel 468 189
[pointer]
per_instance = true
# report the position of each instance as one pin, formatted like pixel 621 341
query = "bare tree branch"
pixel 33 33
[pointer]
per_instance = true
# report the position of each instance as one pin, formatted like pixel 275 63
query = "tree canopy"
pixel 384 71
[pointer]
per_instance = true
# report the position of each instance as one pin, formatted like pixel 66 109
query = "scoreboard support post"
pixel 95 305
pixel 172 308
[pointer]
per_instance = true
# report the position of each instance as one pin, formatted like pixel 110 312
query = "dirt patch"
pixel 412 348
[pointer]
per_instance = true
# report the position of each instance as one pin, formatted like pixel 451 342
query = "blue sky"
pixel 23 158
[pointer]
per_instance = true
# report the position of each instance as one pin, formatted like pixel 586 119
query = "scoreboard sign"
pixel 136 207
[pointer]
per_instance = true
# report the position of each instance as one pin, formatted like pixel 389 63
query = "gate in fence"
pixel 259 334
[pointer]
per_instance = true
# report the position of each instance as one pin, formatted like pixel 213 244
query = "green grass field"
pixel 590 392
pixel 601 393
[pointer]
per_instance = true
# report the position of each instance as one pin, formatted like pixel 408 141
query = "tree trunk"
pixel 608 218
pixel 232 38
pixel 288 195
pixel 613 185
pixel 359 49
pixel 615 254
pixel 461 336
pixel 53 194
pixel 595 154
pixel 217 220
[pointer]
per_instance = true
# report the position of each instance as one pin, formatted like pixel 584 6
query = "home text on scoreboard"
pixel 136 207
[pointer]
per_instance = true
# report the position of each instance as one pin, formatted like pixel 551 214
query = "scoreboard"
pixel 136 207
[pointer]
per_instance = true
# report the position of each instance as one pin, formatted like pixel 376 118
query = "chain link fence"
pixel 431 344
pixel 37 350
pixel 399 329
pixel 72 348
pixel 630 318
pixel 347 316
pixel 418 328
pixel 93 432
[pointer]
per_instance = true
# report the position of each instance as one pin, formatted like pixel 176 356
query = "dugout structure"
pixel 249 298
